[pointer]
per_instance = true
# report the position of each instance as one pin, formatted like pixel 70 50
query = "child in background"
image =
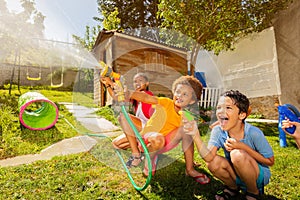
pixel 296 135
pixel 142 111
pixel 248 154
pixel 163 131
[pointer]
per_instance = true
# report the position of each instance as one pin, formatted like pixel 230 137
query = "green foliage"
pixel 256 116
pixel 210 25
pixel 107 113
pixel 131 13
pixel 27 22
pixel 216 25
pixel 111 20
pixel 18 27
pixel 86 176
pixel 89 38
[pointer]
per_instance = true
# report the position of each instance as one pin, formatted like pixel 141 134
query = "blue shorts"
pixel 259 181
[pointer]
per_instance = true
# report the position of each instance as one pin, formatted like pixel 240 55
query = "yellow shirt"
pixel 165 119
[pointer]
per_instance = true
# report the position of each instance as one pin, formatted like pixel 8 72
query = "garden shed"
pixel 129 54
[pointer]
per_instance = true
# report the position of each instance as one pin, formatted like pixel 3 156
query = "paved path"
pixel 78 144
pixel 64 147
pixel 89 120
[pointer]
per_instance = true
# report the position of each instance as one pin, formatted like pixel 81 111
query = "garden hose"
pixel 108 72
pixel 139 137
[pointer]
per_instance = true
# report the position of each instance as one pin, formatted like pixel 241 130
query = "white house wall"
pixel 206 62
pixel 252 67
pixel 287 32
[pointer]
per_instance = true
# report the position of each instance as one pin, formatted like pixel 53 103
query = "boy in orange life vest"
pixel 163 131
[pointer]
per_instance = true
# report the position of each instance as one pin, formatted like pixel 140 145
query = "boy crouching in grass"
pixel 248 154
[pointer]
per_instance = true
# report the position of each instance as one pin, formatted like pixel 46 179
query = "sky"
pixel 63 18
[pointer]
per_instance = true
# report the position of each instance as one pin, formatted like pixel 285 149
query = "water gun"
pixel 190 115
pixel 286 111
pixel 187 114
pixel 108 72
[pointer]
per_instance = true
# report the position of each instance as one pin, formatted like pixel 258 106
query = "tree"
pixel 216 24
pixel 89 38
pixel 133 14
pixel 17 31
pixel 20 26
pixel 111 20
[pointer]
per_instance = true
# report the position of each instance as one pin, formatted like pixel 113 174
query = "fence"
pixel 210 97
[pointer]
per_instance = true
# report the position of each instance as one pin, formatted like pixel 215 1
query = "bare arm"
pixel 231 144
pixel 143 97
pixel 109 84
pixel 207 154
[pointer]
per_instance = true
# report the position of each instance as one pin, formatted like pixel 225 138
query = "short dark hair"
pixel 190 81
pixel 239 99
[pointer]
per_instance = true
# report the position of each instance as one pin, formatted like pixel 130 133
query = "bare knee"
pixel 120 142
pixel 238 157
pixel 217 164
pixel 213 165
pixel 115 143
pixel 156 141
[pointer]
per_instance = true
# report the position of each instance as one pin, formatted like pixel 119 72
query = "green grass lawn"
pixel 99 175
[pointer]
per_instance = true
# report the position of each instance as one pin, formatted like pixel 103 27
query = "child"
pixel 163 131
pixel 142 111
pixel 296 134
pixel 248 154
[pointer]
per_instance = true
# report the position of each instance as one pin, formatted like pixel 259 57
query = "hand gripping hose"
pixel 107 71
